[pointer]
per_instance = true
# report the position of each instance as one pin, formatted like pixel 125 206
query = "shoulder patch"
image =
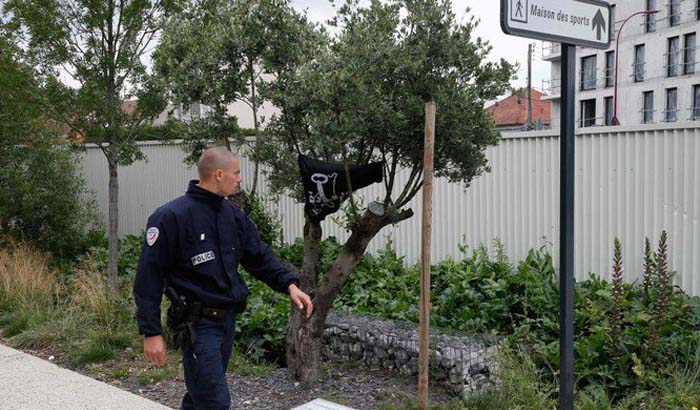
pixel 152 235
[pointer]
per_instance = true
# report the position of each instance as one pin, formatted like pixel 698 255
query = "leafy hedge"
pixel 521 302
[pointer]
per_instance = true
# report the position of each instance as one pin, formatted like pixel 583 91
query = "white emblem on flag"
pixel 152 235
pixel 202 257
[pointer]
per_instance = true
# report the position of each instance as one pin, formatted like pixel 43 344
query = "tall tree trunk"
pixel 256 150
pixel 303 348
pixel 305 337
pixel 113 222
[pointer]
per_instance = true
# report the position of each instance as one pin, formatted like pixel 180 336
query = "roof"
pixel 129 106
pixel 512 110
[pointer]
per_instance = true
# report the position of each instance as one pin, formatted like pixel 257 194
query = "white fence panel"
pixel 631 182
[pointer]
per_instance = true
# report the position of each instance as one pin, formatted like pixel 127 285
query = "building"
pixel 239 109
pixel 182 113
pixel 510 113
pixel 658 77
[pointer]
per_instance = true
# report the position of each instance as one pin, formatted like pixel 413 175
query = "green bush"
pixel 44 199
pixel 521 303
pixel 269 227
pixel 260 330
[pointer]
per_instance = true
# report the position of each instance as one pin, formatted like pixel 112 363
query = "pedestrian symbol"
pixel 518 9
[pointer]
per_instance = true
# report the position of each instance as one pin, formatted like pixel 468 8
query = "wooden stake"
pixel 424 352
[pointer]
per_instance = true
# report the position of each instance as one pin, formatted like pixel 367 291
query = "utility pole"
pixel 529 87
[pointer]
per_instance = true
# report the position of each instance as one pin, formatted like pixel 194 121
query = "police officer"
pixel 193 245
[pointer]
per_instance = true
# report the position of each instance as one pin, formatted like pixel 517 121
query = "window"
pixel 689 54
pixel 674 12
pixel 671 105
pixel 648 110
pixel 639 63
pixel 588 113
pixel 651 18
pixel 588 73
pixel 696 103
pixel 672 59
pixel 609 68
pixel 608 111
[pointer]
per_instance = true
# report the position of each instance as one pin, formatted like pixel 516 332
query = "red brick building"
pixel 511 112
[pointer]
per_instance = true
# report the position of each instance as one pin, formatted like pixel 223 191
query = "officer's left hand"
pixel 300 300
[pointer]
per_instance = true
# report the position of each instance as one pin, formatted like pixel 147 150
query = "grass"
pixel 119 373
pixel 90 354
pixel 244 365
pixel 26 281
pixel 146 377
pixel 13 324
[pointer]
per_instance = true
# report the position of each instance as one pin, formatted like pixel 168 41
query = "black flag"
pixel 325 184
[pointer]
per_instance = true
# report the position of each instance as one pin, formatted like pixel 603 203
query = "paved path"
pixel 29 383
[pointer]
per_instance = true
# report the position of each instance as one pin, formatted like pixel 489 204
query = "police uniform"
pixel 194 244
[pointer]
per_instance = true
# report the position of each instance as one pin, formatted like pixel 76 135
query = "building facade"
pixel 658 76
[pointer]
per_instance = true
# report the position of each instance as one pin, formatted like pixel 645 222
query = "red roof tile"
pixel 512 111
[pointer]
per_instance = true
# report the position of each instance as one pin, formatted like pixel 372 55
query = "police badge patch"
pixel 152 235
pixel 203 257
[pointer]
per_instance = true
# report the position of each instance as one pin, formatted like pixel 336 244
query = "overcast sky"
pixel 513 49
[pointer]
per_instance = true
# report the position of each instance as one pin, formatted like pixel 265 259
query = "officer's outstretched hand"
pixel 301 300
pixel 154 349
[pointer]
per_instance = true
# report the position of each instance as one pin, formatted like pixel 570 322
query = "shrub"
pixel 44 200
pixel 269 227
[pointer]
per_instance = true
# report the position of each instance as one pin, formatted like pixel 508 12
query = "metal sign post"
pixel 571 23
pixel 567 142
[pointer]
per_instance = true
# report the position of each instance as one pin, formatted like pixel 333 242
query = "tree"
pixel 215 52
pixel 361 99
pixel 99 45
pixel 43 199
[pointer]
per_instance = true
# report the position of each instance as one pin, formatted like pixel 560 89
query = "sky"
pixel 511 48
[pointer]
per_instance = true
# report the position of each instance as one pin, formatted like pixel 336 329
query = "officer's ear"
pixel 219 174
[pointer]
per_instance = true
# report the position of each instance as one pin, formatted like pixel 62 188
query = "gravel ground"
pixel 360 389
pixel 356 387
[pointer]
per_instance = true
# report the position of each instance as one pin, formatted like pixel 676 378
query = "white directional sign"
pixel 577 22
pixel 320 404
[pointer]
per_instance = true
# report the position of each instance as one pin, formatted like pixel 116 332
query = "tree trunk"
pixel 256 150
pixel 303 343
pixel 305 337
pixel 113 222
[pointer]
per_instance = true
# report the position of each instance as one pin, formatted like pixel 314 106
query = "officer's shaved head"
pixel 213 159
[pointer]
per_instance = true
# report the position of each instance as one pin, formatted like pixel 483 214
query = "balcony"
pixel 687 14
pixel 551 51
pixel 552 89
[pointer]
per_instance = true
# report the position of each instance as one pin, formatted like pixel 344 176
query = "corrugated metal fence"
pixel 631 182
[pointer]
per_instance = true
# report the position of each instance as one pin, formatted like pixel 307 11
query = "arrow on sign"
pixel 599 23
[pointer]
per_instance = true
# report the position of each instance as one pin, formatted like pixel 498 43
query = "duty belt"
pixel 212 313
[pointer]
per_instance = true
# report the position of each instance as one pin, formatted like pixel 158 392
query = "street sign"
pixel 578 22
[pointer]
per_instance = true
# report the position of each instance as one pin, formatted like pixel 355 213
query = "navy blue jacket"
pixel 194 244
